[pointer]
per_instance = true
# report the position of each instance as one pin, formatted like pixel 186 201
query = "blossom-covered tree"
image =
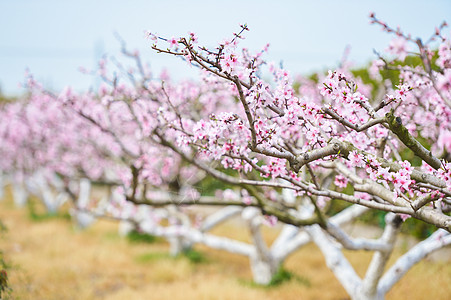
pixel 283 148
pixel 331 129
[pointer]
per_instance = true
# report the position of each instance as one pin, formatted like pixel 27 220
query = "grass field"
pixel 51 260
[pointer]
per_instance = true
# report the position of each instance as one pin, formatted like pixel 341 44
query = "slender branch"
pixel 432 187
pixel 380 258
pixel 247 111
pixel 355 127
pixel 343 217
pixel 437 240
pixel 219 217
pixel 335 260
pixel 258 240
pixel 334 147
pixel 404 136
pixel 421 201
pixel 181 200
pixel 274 152
pixel 355 243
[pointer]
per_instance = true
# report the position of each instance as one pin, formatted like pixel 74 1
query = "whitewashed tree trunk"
pixel 60 189
pixel 125 227
pixel 42 187
pixel 374 286
pixel 377 265
pixel 44 192
pixel 219 217
pixel 437 240
pixel 335 260
pixel 178 243
pixel 20 194
pixel 263 264
pixel 292 238
pixel 82 217
pixel 2 185
pixel 263 268
pixel 197 237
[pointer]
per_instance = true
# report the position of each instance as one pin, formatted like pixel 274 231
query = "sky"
pixel 54 38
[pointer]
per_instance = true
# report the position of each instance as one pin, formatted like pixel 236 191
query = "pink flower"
pixel 271 221
pixel 375 68
pixel 444 141
pixel 226 65
pixel 407 166
pixel 402 91
pixel 383 173
pixel 444 81
pixel 404 217
pixel 172 42
pixel 363 196
pixel 341 181
pixel 275 167
pixel 398 47
pixel 193 37
pixel 356 159
pixel 246 198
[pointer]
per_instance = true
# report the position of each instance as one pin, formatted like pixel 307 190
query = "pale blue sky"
pixel 54 38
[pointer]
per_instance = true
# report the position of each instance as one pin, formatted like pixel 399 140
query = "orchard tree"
pixel 283 150
pixel 297 141
pixel 340 131
pixel 104 138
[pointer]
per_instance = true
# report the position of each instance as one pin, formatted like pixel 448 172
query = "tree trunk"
pixel 263 270
pixel 179 245
pixel 20 194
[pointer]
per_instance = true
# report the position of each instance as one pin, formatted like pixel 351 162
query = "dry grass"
pixel 51 260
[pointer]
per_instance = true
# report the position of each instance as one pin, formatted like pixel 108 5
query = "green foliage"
pixel 314 77
pixel 140 237
pixel 4 287
pixel 3 227
pixel 38 216
pixel 281 276
pixel 417 228
pixel 209 184
pixel 413 227
pixel 407 154
pixel 364 75
pixel 194 256
pixel 392 75
pixel 4 99
pixel 335 206
pixel 296 85
pixel 374 217
pixel 149 257
pixel 5 290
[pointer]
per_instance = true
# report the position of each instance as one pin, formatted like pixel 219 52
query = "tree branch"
pixel 437 240
pixel 410 142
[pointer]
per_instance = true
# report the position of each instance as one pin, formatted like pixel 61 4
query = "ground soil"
pixel 50 259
